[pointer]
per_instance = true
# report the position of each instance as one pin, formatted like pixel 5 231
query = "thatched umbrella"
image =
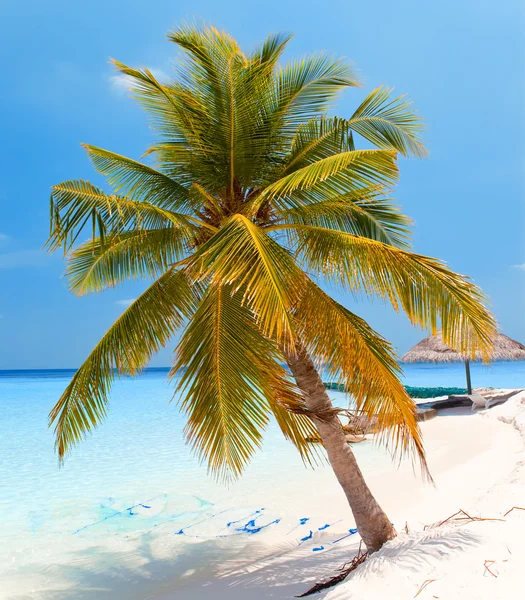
pixel 433 349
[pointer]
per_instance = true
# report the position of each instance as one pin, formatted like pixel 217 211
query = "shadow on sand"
pixel 235 570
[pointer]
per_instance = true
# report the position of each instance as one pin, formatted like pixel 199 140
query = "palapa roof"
pixel 433 349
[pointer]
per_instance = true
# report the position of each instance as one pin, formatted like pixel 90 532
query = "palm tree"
pixel 256 195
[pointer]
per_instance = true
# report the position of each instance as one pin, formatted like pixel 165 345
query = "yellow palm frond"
pixel 126 348
pixel 317 139
pixel 242 255
pixel 350 351
pixel 222 386
pixel 423 287
pixel 289 409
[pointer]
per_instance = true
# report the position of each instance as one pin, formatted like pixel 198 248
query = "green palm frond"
pixel 360 168
pixel 365 363
pixel 225 81
pixel 130 178
pixel 97 264
pixel 389 123
pixel 301 90
pixel 207 53
pixel 184 121
pixel 242 134
pixel 75 205
pixel 317 139
pixel 172 109
pixel 423 287
pixel 213 71
pixel 142 330
pixel 306 87
pixel 375 218
pixel 222 386
pixel 271 49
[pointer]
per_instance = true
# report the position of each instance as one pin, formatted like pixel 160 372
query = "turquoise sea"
pixel 134 476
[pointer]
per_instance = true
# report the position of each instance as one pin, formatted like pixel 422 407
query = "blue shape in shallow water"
pixel 257 512
pixel 115 513
pixel 250 527
pixel 308 537
pixel 182 531
pixel 350 532
pixel 107 512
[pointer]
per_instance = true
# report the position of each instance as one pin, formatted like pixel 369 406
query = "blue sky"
pixel 462 63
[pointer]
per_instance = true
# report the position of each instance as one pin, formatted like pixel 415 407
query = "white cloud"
pixel 121 84
pixel 24 258
pixel 520 267
pixel 125 302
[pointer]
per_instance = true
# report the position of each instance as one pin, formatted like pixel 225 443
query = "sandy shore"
pixel 478 463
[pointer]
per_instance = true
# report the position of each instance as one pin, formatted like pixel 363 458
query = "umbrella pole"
pixel 467 371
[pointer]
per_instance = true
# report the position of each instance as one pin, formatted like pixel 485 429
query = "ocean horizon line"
pixel 167 369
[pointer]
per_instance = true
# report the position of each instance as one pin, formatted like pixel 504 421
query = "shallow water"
pixel 134 476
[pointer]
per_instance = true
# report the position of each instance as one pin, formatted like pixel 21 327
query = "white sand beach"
pixel 478 463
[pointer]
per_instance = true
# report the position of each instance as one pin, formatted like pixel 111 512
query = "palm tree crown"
pixel 254 195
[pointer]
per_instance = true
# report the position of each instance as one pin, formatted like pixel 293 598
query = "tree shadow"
pixel 237 569
pixel 165 568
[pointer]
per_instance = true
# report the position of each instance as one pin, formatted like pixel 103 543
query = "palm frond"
pixel 389 123
pixel 317 139
pixel 306 87
pixel 373 217
pixel 75 205
pixel 184 120
pixel 97 264
pixel 359 168
pixel 242 255
pixel 157 99
pixel 222 386
pixel 423 287
pixel 207 50
pixel 137 180
pixel 129 343
pixel 350 351
pixel 271 49
pixel 213 72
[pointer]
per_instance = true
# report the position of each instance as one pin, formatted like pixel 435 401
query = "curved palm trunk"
pixel 374 526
